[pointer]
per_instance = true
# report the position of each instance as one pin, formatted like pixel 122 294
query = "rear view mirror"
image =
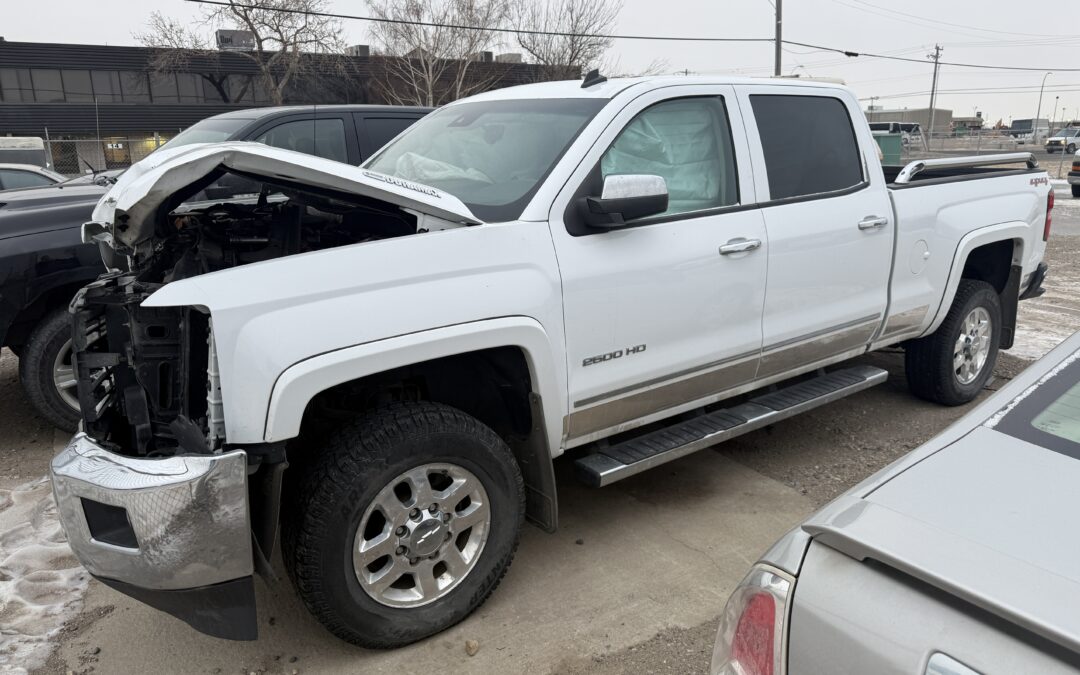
pixel 626 197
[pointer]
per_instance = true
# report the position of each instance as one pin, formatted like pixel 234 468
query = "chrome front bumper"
pixel 177 523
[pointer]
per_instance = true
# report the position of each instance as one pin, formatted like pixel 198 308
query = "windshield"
pixel 212 130
pixel 492 155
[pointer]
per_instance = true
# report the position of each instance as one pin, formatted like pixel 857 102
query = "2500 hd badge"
pixel 611 356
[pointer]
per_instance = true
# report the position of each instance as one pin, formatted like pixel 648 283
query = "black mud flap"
pixel 225 610
pixel 1010 298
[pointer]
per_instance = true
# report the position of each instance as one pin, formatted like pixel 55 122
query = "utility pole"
pixel 1038 110
pixel 779 36
pixel 936 56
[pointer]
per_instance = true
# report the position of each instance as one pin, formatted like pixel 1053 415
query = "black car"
pixel 43 260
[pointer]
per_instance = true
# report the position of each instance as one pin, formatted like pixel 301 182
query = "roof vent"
pixel 593 78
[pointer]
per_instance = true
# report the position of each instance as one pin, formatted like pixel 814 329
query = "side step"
pixel 616 462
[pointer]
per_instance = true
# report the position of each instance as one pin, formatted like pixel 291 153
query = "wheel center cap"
pixel 427 536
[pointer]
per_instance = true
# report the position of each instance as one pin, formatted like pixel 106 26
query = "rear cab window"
pixel 323 137
pixel 1048 413
pixel 809 145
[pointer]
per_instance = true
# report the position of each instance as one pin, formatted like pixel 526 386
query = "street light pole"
pixel 1038 110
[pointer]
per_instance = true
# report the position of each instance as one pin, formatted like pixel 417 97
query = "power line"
pixel 615 36
pixel 936 22
pixel 853 54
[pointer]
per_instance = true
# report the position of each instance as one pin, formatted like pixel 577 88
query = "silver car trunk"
pixel 990 519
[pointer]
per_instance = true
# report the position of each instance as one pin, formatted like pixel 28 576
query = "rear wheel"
pixel 46 371
pixel 404 524
pixel 952 365
pixel 1075 191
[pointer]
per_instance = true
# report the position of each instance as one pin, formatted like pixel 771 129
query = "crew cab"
pixel 43 259
pixel 389 358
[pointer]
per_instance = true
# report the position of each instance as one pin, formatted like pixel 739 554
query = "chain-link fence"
pixel 85 155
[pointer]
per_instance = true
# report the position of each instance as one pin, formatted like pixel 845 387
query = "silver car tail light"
pixel 752 639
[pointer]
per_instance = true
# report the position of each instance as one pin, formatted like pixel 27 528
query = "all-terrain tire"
pixel 330 497
pixel 929 361
pixel 36 369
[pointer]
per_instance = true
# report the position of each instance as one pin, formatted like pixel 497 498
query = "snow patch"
pixel 41 582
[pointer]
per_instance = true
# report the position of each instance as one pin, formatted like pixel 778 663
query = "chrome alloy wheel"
pixel 64 376
pixel 421 535
pixel 972 345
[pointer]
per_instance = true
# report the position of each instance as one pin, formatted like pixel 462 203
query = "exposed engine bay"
pixel 147 376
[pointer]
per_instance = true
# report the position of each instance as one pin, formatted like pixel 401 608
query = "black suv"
pixel 43 261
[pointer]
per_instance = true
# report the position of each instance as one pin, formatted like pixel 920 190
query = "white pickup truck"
pixel 623 271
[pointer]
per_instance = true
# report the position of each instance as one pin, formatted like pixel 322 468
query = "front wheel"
pixel 404 524
pixel 47 373
pixel 1071 149
pixel 952 365
pixel 1075 190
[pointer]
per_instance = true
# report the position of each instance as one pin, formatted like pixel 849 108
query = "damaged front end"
pixel 154 498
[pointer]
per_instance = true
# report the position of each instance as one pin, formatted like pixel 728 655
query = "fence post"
pixel 48 150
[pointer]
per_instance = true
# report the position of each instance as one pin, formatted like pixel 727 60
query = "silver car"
pixel 962 557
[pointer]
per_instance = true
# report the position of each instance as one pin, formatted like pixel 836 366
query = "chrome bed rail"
pixel 911 169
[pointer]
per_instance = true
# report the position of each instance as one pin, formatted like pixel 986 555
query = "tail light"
pixel 1049 213
pixel 752 638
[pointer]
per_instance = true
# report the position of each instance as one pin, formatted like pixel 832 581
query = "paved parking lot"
pixel 633 581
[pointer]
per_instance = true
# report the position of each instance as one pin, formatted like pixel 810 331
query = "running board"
pixel 613 463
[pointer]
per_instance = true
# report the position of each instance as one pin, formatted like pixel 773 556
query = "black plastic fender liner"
pixel 225 610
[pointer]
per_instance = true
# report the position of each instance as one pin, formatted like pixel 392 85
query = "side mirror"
pixel 626 197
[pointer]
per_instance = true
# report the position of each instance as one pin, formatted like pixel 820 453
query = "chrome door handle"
pixel 739 246
pixel 872 222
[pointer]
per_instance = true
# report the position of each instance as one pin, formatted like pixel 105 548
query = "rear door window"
pixel 809 145
pixel 382 130
pixel 323 137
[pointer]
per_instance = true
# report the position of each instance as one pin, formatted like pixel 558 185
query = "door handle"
pixel 873 222
pixel 739 246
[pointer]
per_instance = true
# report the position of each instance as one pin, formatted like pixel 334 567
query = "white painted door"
pixel 829 223
pixel 657 317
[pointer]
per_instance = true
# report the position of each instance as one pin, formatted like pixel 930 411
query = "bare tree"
pixel 574 36
pixel 285 33
pixel 434 64
pixel 175 49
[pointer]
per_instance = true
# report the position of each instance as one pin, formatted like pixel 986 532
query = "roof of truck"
pixel 613 87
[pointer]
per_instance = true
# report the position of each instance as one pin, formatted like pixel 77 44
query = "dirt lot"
pixel 633 582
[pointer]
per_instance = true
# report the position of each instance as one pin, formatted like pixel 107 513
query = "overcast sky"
pixel 992 32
